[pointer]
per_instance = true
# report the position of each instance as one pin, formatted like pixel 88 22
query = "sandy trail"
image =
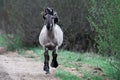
pixel 17 67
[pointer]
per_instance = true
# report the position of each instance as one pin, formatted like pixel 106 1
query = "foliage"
pixel 1 41
pixel 24 18
pixel 104 17
pixel 11 42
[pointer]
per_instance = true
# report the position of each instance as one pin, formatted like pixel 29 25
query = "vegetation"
pixel 1 41
pixel 88 25
pixel 11 42
pixel 105 21
pixel 87 60
pixel 23 18
pixel 63 75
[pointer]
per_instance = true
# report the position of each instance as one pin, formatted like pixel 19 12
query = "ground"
pixel 29 66
pixel 16 67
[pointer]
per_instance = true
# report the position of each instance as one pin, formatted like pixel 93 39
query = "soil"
pixel 16 67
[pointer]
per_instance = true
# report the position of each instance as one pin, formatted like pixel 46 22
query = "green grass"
pixel 63 75
pixel 92 77
pixel 68 59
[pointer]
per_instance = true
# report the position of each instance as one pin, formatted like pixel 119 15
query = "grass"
pixel 69 59
pixel 63 75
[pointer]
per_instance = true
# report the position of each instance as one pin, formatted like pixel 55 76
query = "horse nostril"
pixel 48 27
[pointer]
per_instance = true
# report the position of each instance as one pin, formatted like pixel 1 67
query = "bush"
pixel 24 18
pixel 104 17
pixel 12 42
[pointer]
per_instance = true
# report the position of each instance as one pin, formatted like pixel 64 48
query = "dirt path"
pixel 17 67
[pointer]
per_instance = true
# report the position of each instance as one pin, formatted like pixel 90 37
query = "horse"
pixel 50 38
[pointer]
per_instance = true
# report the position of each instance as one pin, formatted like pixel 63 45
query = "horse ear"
pixel 55 13
pixel 56 19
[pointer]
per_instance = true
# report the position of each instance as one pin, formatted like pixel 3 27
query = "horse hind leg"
pixel 54 60
pixel 46 61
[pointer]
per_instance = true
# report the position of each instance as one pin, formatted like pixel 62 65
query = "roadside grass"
pixel 77 60
pixel 64 75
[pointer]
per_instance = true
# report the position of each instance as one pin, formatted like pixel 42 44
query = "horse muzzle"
pixel 49 27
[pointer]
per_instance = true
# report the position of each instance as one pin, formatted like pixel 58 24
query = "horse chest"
pixel 50 42
pixel 50 38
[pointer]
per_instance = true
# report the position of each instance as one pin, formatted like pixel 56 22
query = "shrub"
pixel 12 42
pixel 104 17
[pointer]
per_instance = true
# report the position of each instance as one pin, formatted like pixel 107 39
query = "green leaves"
pixel 104 18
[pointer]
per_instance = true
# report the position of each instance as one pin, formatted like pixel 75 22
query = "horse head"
pixel 49 18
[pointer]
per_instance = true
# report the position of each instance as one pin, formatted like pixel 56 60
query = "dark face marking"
pixel 49 21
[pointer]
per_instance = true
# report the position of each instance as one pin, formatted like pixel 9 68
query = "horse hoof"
pixel 54 64
pixel 46 68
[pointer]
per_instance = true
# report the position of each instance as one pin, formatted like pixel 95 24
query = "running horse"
pixel 50 38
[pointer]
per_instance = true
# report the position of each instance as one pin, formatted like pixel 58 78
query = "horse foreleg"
pixel 46 61
pixel 54 60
